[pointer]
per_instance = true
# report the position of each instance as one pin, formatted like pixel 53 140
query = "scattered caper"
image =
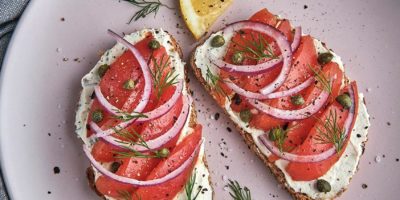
pixel 154 44
pixel 344 100
pixel 102 70
pixel 97 116
pixel 217 41
pixel 115 166
pixel 245 115
pixel 163 153
pixel 237 58
pixel 323 186
pixel 297 100
pixel 129 84
pixel 324 58
pixel 274 134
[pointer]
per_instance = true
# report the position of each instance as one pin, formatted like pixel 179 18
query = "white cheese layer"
pixel 342 171
pixel 90 80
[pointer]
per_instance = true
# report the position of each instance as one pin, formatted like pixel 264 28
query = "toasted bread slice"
pixel 174 50
pixel 339 175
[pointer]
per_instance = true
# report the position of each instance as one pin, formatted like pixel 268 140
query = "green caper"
pixel 217 41
pixel 154 44
pixel 237 58
pixel 245 115
pixel 129 84
pixel 344 100
pixel 323 186
pixel 324 58
pixel 274 134
pixel 115 166
pixel 102 70
pixel 163 153
pixel 97 116
pixel 297 100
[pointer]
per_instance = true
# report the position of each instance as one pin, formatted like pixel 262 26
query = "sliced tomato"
pixel 136 168
pixel 169 189
pixel 311 171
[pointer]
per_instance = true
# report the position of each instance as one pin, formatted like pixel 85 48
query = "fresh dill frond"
pixel 213 80
pixel 255 49
pixel 331 133
pixel 321 78
pixel 162 81
pixel 125 116
pixel 189 187
pixel 237 192
pixel 146 8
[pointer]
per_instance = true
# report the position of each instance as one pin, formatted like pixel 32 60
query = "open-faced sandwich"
pixel 138 124
pixel 290 99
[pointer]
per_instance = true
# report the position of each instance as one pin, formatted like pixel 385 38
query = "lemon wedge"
pixel 200 15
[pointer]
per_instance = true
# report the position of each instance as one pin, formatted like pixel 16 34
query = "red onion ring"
pixel 274 33
pixel 321 156
pixel 274 95
pixel 158 142
pixel 147 80
pixel 136 182
pixel 296 39
pixel 302 113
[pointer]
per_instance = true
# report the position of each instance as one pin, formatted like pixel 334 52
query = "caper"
pixel 115 166
pixel 154 44
pixel 297 100
pixel 344 100
pixel 237 58
pixel 274 134
pixel 245 115
pixel 97 116
pixel 217 41
pixel 324 58
pixel 102 70
pixel 323 186
pixel 163 153
pixel 129 84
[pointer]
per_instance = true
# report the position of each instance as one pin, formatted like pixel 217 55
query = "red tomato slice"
pixel 169 189
pixel 137 168
pixel 311 171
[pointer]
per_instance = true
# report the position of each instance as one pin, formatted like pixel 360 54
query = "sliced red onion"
pixel 274 95
pixel 158 142
pixel 136 182
pixel 147 81
pixel 296 38
pixel 315 157
pixel 302 113
pixel 274 33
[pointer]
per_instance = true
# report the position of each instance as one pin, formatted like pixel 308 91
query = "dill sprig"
pixel 162 81
pixel 125 116
pixel 256 49
pixel 146 7
pixel 237 192
pixel 331 133
pixel 131 139
pixel 125 195
pixel 321 78
pixel 189 187
pixel 213 81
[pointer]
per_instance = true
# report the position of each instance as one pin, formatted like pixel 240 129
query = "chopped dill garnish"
pixel 321 78
pixel 213 81
pixel 256 49
pixel 189 187
pixel 237 192
pixel 125 116
pixel 146 8
pixel 162 81
pixel 331 133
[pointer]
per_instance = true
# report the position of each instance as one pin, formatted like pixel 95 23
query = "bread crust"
pixel 279 175
pixel 192 123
